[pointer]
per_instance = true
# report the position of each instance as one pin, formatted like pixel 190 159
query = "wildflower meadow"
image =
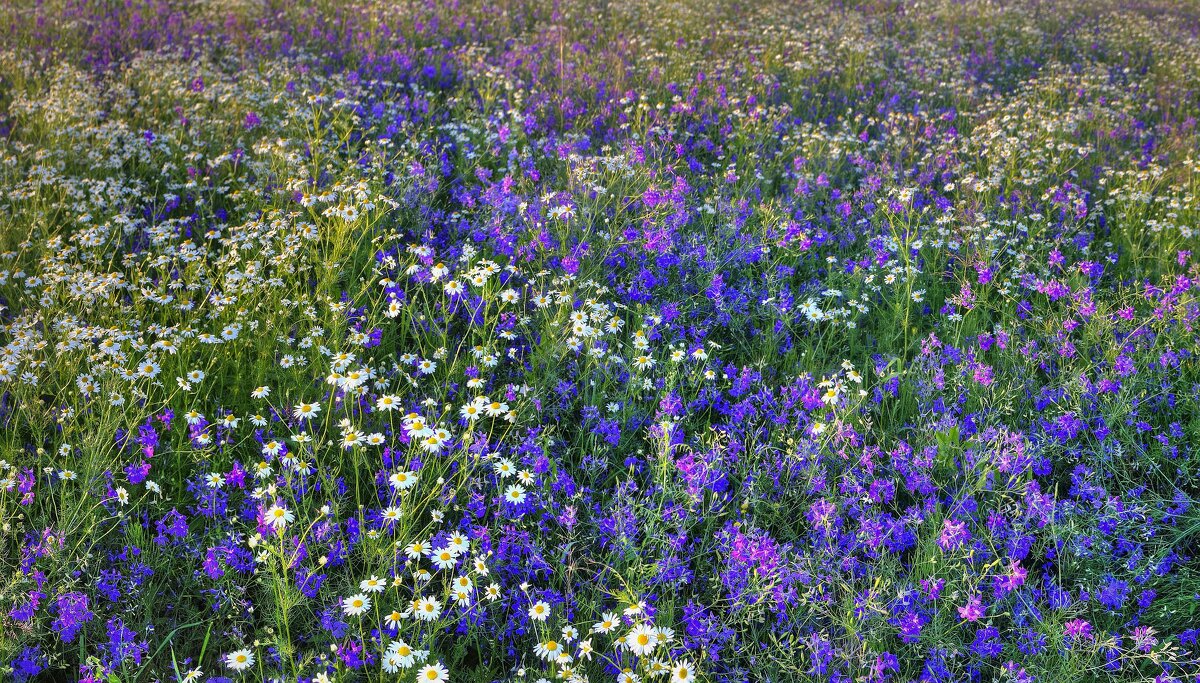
pixel 621 341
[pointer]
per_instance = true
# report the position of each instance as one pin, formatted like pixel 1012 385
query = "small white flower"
pixel 539 611
pixel 239 660
pixel 356 605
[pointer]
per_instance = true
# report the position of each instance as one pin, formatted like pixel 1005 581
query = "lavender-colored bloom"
pixel 71 615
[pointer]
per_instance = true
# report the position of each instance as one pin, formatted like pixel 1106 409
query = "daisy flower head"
pixel 306 411
pixel 643 362
pixel 427 609
pixel 239 660
pixel 470 411
pixel 279 516
pixel 356 605
pixel 390 663
pixel 416 549
pixel 446 558
pixel 549 650
pixel 607 623
pixel 402 481
pixel 641 640
pixel 539 611
pixel 504 468
pixel 515 494
pixel 433 673
pixel 404 653
pixel 683 672
pixel 459 543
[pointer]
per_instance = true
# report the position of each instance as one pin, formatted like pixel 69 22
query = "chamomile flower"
pixel 393 620
pixel 427 609
pixel 515 494
pixel 279 516
pixel 539 611
pixel 641 640
pixel 390 663
pixel 548 650
pixel 433 673
pixel 446 558
pixel 239 660
pixel 306 411
pixel 402 481
pixel 504 468
pixel 627 675
pixel 607 623
pixel 683 672
pixel 585 649
pixel 355 605
pixel 481 567
pixel 470 411
pixel 458 543
pixel 405 655
pixel 372 585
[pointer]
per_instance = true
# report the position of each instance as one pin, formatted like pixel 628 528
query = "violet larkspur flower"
pixel 973 610
pixel 71 615
pixel 954 535
pixel 1077 629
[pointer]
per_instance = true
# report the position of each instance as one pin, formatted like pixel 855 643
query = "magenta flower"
pixel 1078 629
pixel 973 610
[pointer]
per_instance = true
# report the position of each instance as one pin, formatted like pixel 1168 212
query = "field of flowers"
pixel 599 340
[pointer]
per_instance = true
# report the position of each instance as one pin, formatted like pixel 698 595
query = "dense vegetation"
pixel 518 340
